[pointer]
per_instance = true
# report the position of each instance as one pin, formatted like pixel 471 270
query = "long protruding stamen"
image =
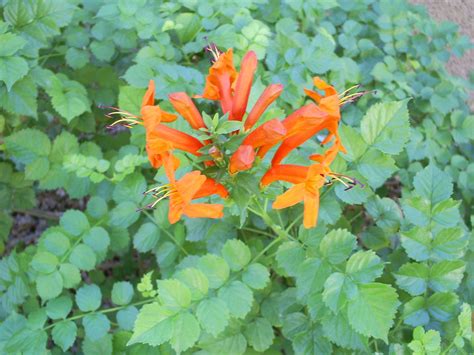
pixel 342 94
pixel 156 189
pixel 355 96
pixel 215 52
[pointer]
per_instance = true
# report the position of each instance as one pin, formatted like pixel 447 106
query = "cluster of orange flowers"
pixel 232 90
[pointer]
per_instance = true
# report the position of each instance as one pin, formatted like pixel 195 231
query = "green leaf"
pixel 187 26
pixel 338 288
pixel 59 308
pixel 443 305
pixel 98 347
pixel 153 325
pixel 337 329
pixel 465 321
pixel 130 99
pixel 44 262
pixel 260 334
pixel 174 294
pixel 98 239
pixel 337 245
pixel 238 297
pixel 446 275
pixel 49 286
pixel 124 215
pixel 97 207
pixel 213 315
pixel 12 69
pixel 215 268
pixel 376 167
pixel 257 37
pixel 195 280
pixel 146 238
pixel 126 317
pixel 37 169
pixel 372 312
pixel 76 58
pixel 385 211
pixel 385 126
pixel 364 266
pixel 449 244
pixel 186 332
pixel 353 143
pixel 415 312
pixel 63 145
pixel 96 325
pixel 289 256
pixel 89 298
pixel 412 277
pixel 310 277
pixel 433 184
pixel 122 293
pixel 11 44
pixel 256 276
pixel 425 343
pixel 21 98
pixel 64 334
pixel 27 145
pixel 70 274
pixel 236 253
pixel 130 189
pixel 103 50
pixel 74 222
pixel 69 98
pixel 83 257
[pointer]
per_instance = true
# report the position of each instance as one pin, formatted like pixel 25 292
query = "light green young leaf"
pixel 44 262
pixel 195 280
pixel 428 343
pixel 154 325
pixel 70 274
pixel 372 312
pixel 213 315
pixel 412 277
pixel 174 294
pixel 446 275
pixel 338 288
pixel 185 332
pixel 11 44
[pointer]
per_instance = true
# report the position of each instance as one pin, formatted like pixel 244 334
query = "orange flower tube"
pixel 271 132
pixel 183 104
pixel 270 94
pixel 242 159
pixel 178 139
pixel 244 85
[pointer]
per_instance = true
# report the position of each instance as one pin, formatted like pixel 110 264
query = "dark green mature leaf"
pixel 21 98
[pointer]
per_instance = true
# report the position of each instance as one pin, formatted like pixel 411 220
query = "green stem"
pixel 108 310
pixel 258 231
pixel 171 236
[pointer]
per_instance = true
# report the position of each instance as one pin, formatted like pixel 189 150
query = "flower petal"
pixel 269 133
pixel 290 197
pixel 149 97
pixel 242 159
pixel 311 210
pixel 178 139
pixel 291 173
pixel 204 210
pixel 210 187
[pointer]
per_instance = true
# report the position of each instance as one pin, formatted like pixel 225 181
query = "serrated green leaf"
pixel 83 257
pixel 37 169
pixel 21 98
pixel 130 99
pixel 236 253
pixel 76 58
pixel 376 167
pixel 215 268
pixel 195 280
pixel 364 266
pixel 446 275
pixel 428 343
pixel 433 184
pixel 97 238
pixel 59 308
pixel 337 245
pixel 256 276
pixel 69 98
pixel 27 145
pixel 372 312
pixel 64 334
pixel 442 306
pixel 126 317
pixel 153 325
pixel 213 315
pixel 124 215
pixel 310 278
pixel 260 334
pixel 289 256
pixel 49 286
pixel 238 297
pixel 74 222
pixel 44 262
pixel 412 277
pixel 337 329
pixel 97 207
pixel 11 44
pixel 12 69
pixel 96 325
pixel 89 298
pixel 385 126
pixel 174 294
pixel 186 332
pixel 70 274
pixel 338 288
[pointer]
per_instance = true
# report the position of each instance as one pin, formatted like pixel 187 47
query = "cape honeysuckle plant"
pixel 235 142
pixel 92 265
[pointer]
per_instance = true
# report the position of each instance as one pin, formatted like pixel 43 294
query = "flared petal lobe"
pixel 290 173
pixel 149 97
pixel 270 132
pixel 153 115
pixel 211 187
pixel 311 210
pixel 243 85
pixel 291 197
pixel 204 210
pixel 183 104
pixel 269 95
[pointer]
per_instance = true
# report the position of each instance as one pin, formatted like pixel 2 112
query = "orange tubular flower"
pixel 222 76
pixel 269 133
pixel 177 139
pixel 270 94
pixel 242 159
pixel 243 85
pixel 183 104
pixel 151 114
pixel 181 192
pixel 306 191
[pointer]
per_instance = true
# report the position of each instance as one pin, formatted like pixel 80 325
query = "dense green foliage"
pixel 389 268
